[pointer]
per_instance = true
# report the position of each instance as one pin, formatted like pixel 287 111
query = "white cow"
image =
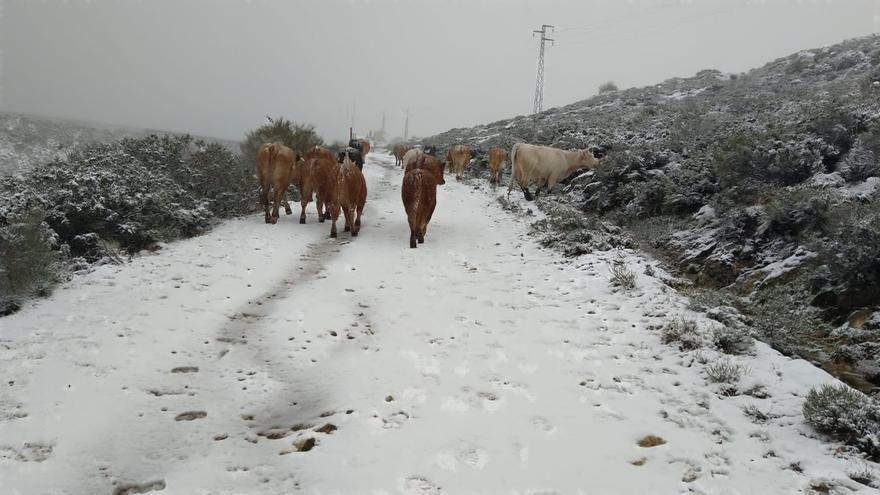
pixel 411 156
pixel 542 163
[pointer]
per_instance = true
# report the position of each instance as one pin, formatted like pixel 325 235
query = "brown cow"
pixel 496 160
pixel 458 156
pixel 419 194
pixel 275 170
pixel 347 191
pixel 314 178
pixel 398 151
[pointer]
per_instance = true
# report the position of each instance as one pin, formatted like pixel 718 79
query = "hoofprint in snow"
pixel 477 363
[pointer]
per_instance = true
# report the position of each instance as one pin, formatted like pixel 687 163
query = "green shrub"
pixel 298 137
pixel 750 158
pixel 853 256
pixel 28 259
pixel 861 162
pixel 792 213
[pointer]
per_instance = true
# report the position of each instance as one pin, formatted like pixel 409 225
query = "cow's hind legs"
pixel 348 222
pixel 302 214
pixel 526 193
pixel 357 222
pixel 413 238
pixel 320 204
pixel 334 214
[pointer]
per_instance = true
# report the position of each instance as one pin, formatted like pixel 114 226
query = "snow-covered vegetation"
pixel 99 200
pixel 761 188
pixel 762 184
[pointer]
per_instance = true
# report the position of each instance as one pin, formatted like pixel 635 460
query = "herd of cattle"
pixel 336 181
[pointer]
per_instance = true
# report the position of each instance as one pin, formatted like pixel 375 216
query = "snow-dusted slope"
pixel 477 363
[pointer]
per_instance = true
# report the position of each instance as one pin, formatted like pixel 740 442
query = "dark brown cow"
pixel 313 177
pixel 348 192
pixel 399 150
pixel 361 145
pixel 419 194
pixel 275 170
pixel 496 160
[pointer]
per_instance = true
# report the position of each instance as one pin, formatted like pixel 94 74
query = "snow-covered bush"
pixel 29 259
pixel 865 475
pixel 621 276
pixel 725 371
pixel 860 163
pixel 567 230
pixel 792 212
pixel 730 339
pixel 846 414
pixel 756 159
pixel 683 332
pixel 105 190
pixel 102 197
pixel 853 255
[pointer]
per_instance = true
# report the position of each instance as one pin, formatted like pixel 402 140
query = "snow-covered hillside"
pixel 736 179
pixel 267 359
pixel 27 141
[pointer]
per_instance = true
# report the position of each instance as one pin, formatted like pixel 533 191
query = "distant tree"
pixel 607 87
pixel 298 137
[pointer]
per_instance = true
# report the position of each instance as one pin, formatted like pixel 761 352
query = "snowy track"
pixel 477 363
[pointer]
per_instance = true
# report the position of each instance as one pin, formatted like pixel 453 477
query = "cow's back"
pixel 265 157
pixel 411 156
pixel 539 161
pixel 419 191
pixel 352 186
pixel 284 163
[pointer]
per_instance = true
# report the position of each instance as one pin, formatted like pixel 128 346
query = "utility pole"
pixel 383 126
pixel 406 126
pixel 539 83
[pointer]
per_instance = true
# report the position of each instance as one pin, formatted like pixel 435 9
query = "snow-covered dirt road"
pixel 477 363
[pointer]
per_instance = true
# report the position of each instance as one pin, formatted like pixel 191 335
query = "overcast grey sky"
pixel 218 67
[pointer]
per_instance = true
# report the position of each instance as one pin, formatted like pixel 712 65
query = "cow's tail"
pixel 273 154
pixel 512 167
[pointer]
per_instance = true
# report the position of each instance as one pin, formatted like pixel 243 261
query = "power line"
pixel 663 28
pixel 605 22
pixel 539 82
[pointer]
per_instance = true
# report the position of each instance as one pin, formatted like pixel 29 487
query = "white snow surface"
pixel 478 363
